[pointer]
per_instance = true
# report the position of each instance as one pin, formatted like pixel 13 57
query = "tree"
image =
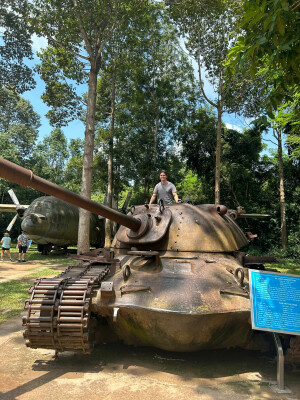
pixel 156 99
pixel 144 94
pixel 210 30
pixel 15 47
pixel 270 32
pixel 78 33
pixel 19 124
pixel 268 43
pixel 73 166
pixel 51 155
pixel 198 140
pixel 278 123
pixel 240 154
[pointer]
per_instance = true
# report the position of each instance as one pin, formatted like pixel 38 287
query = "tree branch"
pixel 201 83
pixel 271 141
pixel 108 34
pixel 51 39
pixel 295 5
pixel 84 35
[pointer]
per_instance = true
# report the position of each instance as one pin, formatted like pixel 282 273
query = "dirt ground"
pixel 114 372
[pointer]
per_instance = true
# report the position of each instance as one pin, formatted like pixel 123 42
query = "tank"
pixel 175 277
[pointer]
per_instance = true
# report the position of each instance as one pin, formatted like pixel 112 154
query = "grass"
pixel 286 266
pixel 32 254
pixel 14 293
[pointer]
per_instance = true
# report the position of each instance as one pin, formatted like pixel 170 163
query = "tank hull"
pixel 182 304
pixel 182 332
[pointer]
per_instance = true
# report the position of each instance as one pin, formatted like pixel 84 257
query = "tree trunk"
pixel 87 170
pixel 218 155
pixel 110 162
pixel 281 192
pixel 155 142
pixel 117 186
pixel 219 106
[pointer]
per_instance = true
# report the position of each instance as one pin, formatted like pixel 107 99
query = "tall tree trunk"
pixel 219 106
pixel 110 161
pixel 281 192
pixel 117 186
pixel 155 141
pixel 87 169
pixel 218 155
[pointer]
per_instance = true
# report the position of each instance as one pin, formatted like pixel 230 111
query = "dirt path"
pixel 15 270
pixel 114 372
pixel 117 372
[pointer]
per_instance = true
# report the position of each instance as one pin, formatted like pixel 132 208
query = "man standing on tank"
pixel 166 190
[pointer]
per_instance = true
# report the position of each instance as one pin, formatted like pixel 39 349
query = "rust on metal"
pixel 58 310
pixel 147 254
pixel 102 260
pixel 259 260
pixel 134 288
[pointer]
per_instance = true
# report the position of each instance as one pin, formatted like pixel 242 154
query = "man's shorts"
pixel 4 248
pixel 22 249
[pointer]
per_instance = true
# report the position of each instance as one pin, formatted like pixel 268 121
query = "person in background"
pixel 23 246
pixel 166 190
pixel 6 241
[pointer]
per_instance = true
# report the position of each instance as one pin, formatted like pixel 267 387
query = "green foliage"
pixel 198 138
pixel 50 156
pixel 61 72
pixel 241 163
pixel 15 48
pixel 271 28
pixel 190 189
pixel 19 125
pixel 79 35
pixel 73 167
pixel 269 41
pixel 210 30
pixel 18 132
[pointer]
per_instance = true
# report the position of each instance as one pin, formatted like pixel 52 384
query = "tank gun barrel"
pixel 25 177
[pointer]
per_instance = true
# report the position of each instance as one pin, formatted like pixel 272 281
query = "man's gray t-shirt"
pixel 165 192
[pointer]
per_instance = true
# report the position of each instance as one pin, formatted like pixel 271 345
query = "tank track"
pixel 58 311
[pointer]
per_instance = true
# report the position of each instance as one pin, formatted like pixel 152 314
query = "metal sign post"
pixel 275 307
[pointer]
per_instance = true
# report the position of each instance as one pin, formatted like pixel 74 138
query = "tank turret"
pixel 174 278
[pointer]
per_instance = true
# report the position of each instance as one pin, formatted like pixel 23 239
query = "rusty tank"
pixel 175 277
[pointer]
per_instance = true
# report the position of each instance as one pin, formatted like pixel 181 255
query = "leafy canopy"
pixel 15 47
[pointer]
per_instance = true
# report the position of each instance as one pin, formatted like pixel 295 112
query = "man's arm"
pixel 152 198
pixel 175 195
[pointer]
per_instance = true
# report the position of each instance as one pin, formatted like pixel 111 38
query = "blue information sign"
pixel 275 302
